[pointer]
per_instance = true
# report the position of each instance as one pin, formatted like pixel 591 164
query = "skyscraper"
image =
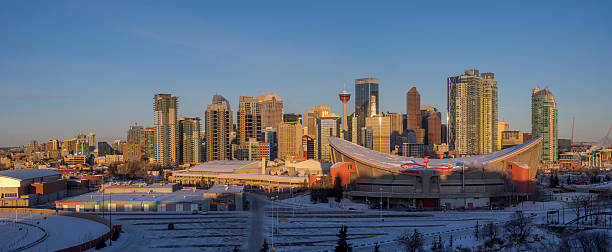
pixel 166 129
pixel 289 140
pixel 189 134
pixel 413 109
pixel 434 129
pixel 248 119
pixel 544 122
pixel 472 113
pixel 366 99
pixel 149 142
pixel 328 125
pixel 91 141
pixel 308 122
pixel 218 129
pixel 396 128
pixel 271 107
pixel 381 132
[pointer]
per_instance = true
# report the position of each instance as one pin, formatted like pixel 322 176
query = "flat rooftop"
pixel 185 196
pixel 23 174
pixel 223 166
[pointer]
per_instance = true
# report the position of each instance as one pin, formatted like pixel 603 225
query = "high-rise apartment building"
pixel 366 100
pixel 381 132
pixel 472 113
pixel 290 140
pixel 218 129
pixel 544 122
pixel 148 146
pixel 252 150
pixel 413 109
pixel 189 138
pixel 271 109
pixel 501 127
pixel 248 119
pixel 166 129
pixel 328 125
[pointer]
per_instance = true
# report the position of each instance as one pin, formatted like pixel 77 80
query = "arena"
pixel 472 182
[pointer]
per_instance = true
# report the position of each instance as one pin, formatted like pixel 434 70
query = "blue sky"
pixel 69 67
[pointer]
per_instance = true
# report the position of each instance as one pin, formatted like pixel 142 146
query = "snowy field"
pixel 302 226
pixel 61 231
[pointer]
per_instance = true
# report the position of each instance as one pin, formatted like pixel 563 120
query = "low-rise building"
pixel 29 187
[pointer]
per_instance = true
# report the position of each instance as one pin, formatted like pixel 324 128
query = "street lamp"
pixel 380 189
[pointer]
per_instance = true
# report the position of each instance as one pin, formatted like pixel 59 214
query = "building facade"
pixel 271 107
pixel 544 122
pixel 472 113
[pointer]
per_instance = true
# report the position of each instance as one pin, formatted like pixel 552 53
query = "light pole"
pixel 380 189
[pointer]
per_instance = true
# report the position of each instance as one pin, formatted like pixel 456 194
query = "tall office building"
pixel 271 109
pixel 328 125
pixel 381 132
pixel 544 122
pixel 91 141
pixel 189 138
pixel 104 149
pixel 32 147
pixel 472 113
pixel 434 129
pixel 218 129
pixel 290 140
pixel 396 128
pixel 354 128
pixel 269 135
pixel 308 123
pixel 366 100
pixel 166 129
pixel 248 119
pixel 501 127
pixel 413 109
pixel 308 147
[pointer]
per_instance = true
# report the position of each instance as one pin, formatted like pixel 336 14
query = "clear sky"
pixel 69 67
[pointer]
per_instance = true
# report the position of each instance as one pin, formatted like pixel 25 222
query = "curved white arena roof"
pixel 389 161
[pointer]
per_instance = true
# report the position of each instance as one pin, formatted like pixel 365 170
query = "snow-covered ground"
pixel 303 226
pixel 62 231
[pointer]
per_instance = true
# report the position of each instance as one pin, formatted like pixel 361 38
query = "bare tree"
pixel 519 227
pixel 412 242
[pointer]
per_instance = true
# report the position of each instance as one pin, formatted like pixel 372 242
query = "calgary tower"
pixel 344 98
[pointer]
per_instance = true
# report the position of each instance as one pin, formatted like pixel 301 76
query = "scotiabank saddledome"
pixel 469 182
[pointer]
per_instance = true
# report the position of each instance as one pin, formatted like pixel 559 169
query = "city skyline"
pixel 44 82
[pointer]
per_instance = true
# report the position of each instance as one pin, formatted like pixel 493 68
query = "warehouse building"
pixel 30 187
